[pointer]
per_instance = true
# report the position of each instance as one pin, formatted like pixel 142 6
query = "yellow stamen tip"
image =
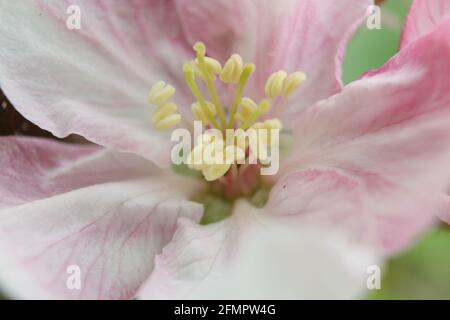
pixel 213 65
pixel 200 48
pixel 168 122
pixel 264 106
pixel 232 70
pixel 292 82
pixel 188 68
pixel 274 84
pixel 160 93
pixel 248 107
pixel 215 171
pixel 249 68
pixel 163 111
pixel 273 123
pixel 201 114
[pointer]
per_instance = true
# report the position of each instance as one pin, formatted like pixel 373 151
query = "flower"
pixel 367 170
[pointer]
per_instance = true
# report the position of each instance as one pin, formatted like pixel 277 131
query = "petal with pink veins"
pixel 105 212
pixel 302 35
pixel 93 81
pixel 424 16
pixel 256 255
pixel 389 133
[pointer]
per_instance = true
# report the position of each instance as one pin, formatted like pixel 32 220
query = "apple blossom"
pixel 364 174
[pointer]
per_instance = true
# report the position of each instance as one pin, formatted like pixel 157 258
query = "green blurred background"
pixel 423 271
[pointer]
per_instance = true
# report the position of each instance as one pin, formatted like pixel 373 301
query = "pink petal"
pixel 424 16
pixel 388 133
pixel 93 81
pixel 107 213
pixel 306 35
pixel 254 255
pixel 443 210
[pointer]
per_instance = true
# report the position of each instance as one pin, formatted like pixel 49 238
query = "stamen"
pixel 292 82
pixel 268 126
pixel 160 93
pixel 199 114
pixel 263 107
pixel 248 107
pixel 231 72
pixel 212 155
pixel 274 84
pixel 163 111
pixel 190 80
pixel 215 65
pixel 164 117
pixel 249 68
pixel 168 122
pixel 215 171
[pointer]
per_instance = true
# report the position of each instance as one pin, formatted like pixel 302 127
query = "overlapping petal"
pixel 93 81
pixel 424 16
pixel 256 255
pixel 103 212
pixel 389 134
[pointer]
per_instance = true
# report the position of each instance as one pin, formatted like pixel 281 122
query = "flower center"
pixel 234 150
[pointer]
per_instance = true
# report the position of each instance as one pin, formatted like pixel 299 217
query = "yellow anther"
pixel 248 106
pixel 213 66
pixel 215 171
pixel 264 130
pixel 273 123
pixel 263 107
pixel 163 111
pixel 168 122
pixel 200 48
pixel 274 84
pixel 258 125
pixel 231 72
pixel 160 93
pixel 200 114
pixel 292 82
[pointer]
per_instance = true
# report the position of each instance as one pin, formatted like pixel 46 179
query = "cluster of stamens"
pixel 242 114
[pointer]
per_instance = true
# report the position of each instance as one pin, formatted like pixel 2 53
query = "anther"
pixel 231 72
pixel 213 66
pixel 292 82
pixel 163 111
pixel 200 114
pixel 215 171
pixel 160 93
pixel 263 107
pixel 274 84
pixel 168 122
